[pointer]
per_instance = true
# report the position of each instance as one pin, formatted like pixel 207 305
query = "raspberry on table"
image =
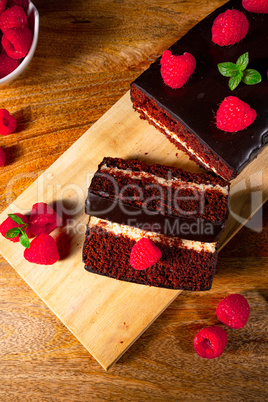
pixel 8 123
pixel 13 17
pixel 233 311
pixel 17 42
pixel 144 254
pixel 256 6
pixel 43 250
pixel 43 219
pixel 8 224
pixel 234 115
pixel 2 157
pixel 210 342
pixel 229 28
pixel 175 69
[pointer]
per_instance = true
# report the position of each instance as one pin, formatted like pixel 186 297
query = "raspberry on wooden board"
pixel 43 219
pixel 43 250
pixel 233 311
pixel 9 223
pixel 210 342
pixel 8 123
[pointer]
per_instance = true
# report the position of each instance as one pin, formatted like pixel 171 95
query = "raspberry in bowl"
pixel 22 39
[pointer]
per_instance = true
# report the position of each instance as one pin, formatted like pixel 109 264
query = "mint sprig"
pixel 238 72
pixel 21 231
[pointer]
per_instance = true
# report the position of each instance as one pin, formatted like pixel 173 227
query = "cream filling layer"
pixel 136 234
pixel 165 182
pixel 176 138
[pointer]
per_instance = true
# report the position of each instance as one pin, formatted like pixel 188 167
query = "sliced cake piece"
pixel 185 264
pixel 186 115
pixel 129 200
pixel 159 198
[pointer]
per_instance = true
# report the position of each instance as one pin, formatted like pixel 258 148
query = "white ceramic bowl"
pixel 33 21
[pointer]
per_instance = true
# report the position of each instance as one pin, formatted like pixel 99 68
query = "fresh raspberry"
pixel 17 42
pixel 3 4
pixel 256 6
pixel 210 342
pixel 234 115
pixel 22 3
pixel 144 254
pixel 233 311
pixel 8 123
pixel 8 223
pixel 43 250
pixel 43 219
pixel 229 27
pixel 13 17
pixel 2 157
pixel 176 70
pixel 7 65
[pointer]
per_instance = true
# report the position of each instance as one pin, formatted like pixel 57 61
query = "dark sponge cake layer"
pixel 187 115
pixel 189 205
pixel 107 253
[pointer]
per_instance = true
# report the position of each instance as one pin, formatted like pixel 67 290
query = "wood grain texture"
pixel 98 310
pixel 72 80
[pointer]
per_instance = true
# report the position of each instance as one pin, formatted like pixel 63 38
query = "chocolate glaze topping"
pixel 195 104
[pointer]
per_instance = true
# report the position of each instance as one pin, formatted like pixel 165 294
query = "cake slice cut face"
pixel 183 213
pixel 185 264
pixel 186 115
pixel 159 198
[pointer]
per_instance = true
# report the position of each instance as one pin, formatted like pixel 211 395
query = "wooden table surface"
pixel 87 55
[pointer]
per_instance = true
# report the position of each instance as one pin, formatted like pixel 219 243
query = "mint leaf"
pixel 251 77
pixel 237 72
pixel 242 62
pixel 16 219
pixel 235 81
pixel 228 69
pixel 24 240
pixel 11 233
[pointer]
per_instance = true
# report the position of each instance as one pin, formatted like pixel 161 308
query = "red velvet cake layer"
pixel 159 198
pixel 184 264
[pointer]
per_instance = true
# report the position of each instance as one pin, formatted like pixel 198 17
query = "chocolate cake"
pixel 183 213
pixel 186 116
pixel 159 198
pixel 185 264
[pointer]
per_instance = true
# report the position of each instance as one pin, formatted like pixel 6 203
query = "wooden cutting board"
pixel 107 315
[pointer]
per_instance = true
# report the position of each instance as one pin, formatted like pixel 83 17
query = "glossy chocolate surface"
pixel 169 225
pixel 195 104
